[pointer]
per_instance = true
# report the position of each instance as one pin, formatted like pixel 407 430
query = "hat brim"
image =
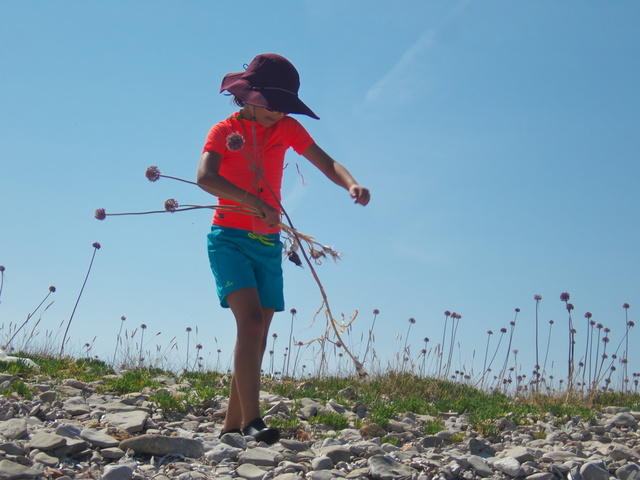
pixel 278 100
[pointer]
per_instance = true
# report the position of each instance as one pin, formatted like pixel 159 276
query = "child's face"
pixel 263 116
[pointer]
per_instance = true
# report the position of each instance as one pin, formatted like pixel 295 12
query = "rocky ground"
pixel 69 431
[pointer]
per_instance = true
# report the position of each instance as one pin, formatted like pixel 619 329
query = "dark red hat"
pixel 270 81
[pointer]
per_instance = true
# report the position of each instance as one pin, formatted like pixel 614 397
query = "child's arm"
pixel 337 173
pixel 210 181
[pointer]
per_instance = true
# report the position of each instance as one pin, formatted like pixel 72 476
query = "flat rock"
pixel 98 438
pixel 383 467
pixel 221 452
pixel 13 429
pixel 47 441
pixel 163 445
pixel 14 471
pixel 509 466
pixel 592 471
pixel 250 472
pixel 129 421
pixel 480 465
pixel 117 472
pixel 259 456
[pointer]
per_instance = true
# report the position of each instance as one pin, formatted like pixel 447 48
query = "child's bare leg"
pixel 253 323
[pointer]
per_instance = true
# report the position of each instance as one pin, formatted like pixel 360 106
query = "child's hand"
pixel 360 193
pixel 270 215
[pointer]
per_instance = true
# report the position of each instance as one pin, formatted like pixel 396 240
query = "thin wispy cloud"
pixel 403 79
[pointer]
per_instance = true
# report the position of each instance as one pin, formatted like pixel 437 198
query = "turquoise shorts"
pixel 240 259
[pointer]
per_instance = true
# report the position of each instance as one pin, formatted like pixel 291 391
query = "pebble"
pixel 70 432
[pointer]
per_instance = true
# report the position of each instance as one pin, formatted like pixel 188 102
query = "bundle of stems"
pixel 295 240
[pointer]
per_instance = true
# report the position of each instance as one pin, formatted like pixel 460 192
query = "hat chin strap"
pixel 275 88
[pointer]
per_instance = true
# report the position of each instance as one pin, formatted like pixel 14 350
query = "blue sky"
pixel 499 140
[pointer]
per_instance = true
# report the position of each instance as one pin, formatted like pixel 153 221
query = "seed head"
pixel 152 173
pixel 235 141
pixel 100 214
pixel 170 205
pixel 565 296
pixel 96 245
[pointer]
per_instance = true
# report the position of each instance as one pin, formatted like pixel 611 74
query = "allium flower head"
pixel 631 323
pixel 170 205
pixel 52 289
pixel 412 320
pixel 100 214
pixel 517 310
pixel 1 268
pixel 489 332
pixel 503 330
pixel 376 311
pixel 569 306
pixel 447 313
pixel 550 322
pixel 96 245
pixel 537 298
pixel 626 306
pixel 188 329
pixel 564 296
pixel 143 326
pixel 426 339
pixel 123 318
pixel 235 141
pixel 293 311
pixel 152 173
pixel 588 315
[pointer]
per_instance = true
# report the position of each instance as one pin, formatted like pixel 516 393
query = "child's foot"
pixel 231 430
pixel 259 430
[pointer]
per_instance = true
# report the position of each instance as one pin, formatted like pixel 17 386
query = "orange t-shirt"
pixel 242 167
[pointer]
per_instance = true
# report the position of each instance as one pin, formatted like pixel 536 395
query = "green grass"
pixel 385 395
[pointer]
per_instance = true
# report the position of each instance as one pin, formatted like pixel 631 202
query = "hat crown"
pixel 272 71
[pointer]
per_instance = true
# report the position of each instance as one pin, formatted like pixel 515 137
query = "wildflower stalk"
pixel 96 247
pixel 625 357
pixel 447 314
pixel 486 354
pixel 118 339
pixel 52 289
pixel 506 360
pixel 454 330
pixel 1 279
pixel 537 298
pixel 373 324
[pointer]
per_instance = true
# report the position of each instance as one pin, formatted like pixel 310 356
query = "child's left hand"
pixel 360 194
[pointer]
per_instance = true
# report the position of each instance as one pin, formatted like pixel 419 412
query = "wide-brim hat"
pixel 270 81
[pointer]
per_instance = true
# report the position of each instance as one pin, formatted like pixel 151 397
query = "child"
pixel 245 251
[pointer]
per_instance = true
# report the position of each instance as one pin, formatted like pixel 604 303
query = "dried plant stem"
pixel 51 290
pixel 96 246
